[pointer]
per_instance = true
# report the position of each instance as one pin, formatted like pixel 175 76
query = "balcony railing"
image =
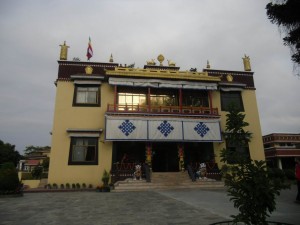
pixel 162 109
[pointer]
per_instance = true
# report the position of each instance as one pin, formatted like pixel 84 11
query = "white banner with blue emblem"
pixel 168 129
pixel 203 130
pixel 165 130
pixel 126 129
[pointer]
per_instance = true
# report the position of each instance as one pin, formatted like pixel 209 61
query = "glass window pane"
pixel 90 153
pixel 78 153
pixel 92 97
pixel 80 98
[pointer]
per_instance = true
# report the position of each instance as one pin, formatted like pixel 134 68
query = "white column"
pixel 279 164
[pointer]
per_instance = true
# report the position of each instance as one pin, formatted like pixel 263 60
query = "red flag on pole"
pixel 89 53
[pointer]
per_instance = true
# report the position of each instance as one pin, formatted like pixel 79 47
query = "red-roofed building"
pixel 281 149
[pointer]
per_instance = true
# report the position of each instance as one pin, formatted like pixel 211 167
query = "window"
pixel 228 98
pixel 131 99
pixel 164 97
pixel 86 96
pixel 195 99
pixel 83 151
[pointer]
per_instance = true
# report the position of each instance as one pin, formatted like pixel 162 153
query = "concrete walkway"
pixel 168 207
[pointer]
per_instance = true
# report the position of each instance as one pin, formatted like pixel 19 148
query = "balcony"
pixel 160 110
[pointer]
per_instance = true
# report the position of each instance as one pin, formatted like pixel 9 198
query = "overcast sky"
pixel 189 32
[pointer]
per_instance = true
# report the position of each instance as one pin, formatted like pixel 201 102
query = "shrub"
pixel 27 176
pixel 78 186
pixel 37 172
pixel 62 186
pixel 290 174
pixel 67 185
pixel 73 186
pixel 105 178
pixel 83 185
pixel 9 181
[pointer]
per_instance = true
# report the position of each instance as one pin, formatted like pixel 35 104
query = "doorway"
pixel 165 157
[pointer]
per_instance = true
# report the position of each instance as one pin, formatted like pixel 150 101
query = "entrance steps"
pixel 43 182
pixel 166 180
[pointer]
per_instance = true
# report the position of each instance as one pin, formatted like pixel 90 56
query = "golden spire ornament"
pixel 111 59
pixel 207 65
pixel 64 51
pixel 246 61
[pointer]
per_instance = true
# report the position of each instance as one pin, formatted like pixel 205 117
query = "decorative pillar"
pixel 149 154
pixel 210 102
pixel 180 100
pixel 181 157
pixel 115 98
pixel 148 99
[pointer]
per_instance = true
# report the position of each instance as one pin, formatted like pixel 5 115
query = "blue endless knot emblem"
pixel 165 128
pixel 201 129
pixel 127 127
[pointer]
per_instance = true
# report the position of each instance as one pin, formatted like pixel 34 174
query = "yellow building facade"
pixel 113 117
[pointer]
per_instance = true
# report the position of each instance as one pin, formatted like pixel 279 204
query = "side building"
pixel 107 115
pixel 281 149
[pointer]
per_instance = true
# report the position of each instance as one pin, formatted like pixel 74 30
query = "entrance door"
pixel 165 157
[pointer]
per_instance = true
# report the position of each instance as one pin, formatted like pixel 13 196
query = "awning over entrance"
pixel 162 129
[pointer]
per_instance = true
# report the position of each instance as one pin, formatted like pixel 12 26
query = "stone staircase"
pixel 166 180
pixel 42 184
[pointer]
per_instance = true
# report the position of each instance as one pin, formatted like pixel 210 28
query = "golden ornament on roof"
pixel 64 51
pixel 246 61
pixel 160 59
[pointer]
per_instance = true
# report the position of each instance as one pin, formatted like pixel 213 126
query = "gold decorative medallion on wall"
pixel 229 78
pixel 88 70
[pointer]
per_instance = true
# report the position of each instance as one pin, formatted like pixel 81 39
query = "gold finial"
pixel 246 61
pixel 64 51
pixel 160 59
pixel 207 65
pixel 88 70
pixel 171 63
pixel 229 78
pixel 151 62
pixel 111 59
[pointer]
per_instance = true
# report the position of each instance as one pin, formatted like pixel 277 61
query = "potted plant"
pixel 105 180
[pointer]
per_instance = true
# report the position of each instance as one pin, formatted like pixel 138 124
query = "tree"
pixel 45 164
pixel 286 14
pixel 33 149
pixel 251 186
pixel 236 136
pixel 9 181
pixel 9 154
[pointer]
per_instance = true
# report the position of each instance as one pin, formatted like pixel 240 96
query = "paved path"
pixel 172 207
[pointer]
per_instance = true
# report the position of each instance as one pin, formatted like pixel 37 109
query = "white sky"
pixel 189 32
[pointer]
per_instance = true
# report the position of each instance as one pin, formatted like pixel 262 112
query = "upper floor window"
pixel 160 97
pixel 232 97
pixel 195 98
pixel 86 95
pixel 131 99
pixel 83 151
